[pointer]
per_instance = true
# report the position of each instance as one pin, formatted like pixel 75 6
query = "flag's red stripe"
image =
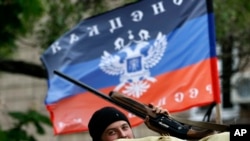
pixel 198 76
pixel 78 107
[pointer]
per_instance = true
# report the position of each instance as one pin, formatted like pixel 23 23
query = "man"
pixel 109 124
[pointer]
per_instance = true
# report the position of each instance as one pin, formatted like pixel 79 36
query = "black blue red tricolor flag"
pixel 155 51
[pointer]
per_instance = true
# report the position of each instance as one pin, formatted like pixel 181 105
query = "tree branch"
pixel 22 67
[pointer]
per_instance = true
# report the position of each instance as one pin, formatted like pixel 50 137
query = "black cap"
pixel 101 119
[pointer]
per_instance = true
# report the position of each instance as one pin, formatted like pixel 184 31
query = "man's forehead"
pixel 117 124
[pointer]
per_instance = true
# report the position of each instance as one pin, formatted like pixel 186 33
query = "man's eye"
pixel 111 132
pixel 125 127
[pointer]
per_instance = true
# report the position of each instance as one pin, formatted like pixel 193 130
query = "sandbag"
pixel 224 136
pixel 154 138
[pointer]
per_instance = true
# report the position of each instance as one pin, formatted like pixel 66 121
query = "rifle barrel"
pixel 91 89
pixel 102 95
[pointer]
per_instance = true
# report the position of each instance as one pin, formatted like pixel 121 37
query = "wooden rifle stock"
pixel 165 124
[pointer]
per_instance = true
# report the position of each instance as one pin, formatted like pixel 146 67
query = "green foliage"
pixel 18 132
pixel 18 17
pixel 232 18
pixel 62 15
pixel 232 28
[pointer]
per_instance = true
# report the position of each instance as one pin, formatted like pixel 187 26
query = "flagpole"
pixel 218 114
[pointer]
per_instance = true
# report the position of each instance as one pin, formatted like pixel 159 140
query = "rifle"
pixel 162 123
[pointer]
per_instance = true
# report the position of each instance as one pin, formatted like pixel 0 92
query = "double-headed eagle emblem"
pixel 133 60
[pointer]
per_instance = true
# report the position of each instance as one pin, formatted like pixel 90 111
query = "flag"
pixel 154 51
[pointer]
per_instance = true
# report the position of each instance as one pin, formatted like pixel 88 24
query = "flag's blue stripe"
pixel 187 45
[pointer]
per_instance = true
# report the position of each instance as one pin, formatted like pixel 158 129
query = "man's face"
pixel 117 130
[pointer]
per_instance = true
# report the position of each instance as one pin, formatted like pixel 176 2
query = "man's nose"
pixel 122 134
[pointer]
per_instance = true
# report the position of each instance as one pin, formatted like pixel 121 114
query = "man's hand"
pixel 191 134
pixel 156 110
